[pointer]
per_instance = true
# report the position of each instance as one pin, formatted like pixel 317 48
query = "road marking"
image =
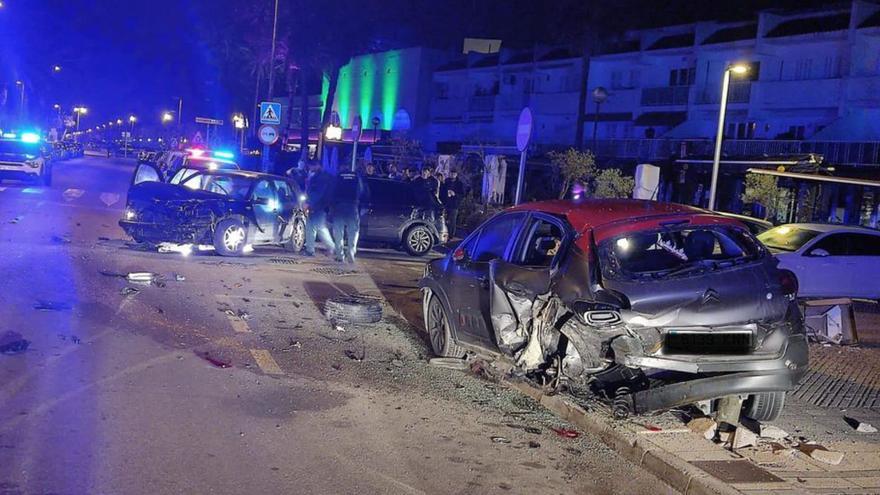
pixel 255 298
pixel 239 325
pixel 266 362
pixel 72 194
pixel 109 199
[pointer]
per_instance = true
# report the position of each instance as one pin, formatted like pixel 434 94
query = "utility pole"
pixel 265 156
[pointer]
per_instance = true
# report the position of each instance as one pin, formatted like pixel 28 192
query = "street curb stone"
pixel 676 472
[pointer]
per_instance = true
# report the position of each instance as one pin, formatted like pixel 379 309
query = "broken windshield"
pixel 670 253
pixel 227 185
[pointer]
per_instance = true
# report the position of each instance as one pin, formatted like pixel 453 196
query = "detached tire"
pixel 230 237
pixel 764 406
pixel 297 240
pixel 418 240
pixel 437 323
pixel 353 309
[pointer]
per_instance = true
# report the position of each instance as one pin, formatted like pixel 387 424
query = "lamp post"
pixel 376 121
pixel 240 124
pixel 716 160
pixel 20 84
pixel 131 120
pixel 600 94
pixel 79 111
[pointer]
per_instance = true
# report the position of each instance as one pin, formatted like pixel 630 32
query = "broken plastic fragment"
pixel 566 433
pixel 140 277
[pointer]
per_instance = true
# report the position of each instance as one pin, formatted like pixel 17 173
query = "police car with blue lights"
pixel 23 157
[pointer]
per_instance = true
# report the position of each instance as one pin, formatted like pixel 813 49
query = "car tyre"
pixel 356 310
pixel 297 240
pixel 418 240
pixel 230 237
pixel 764 406
pixel 440 332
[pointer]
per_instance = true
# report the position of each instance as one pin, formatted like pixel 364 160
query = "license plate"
pixel 678 342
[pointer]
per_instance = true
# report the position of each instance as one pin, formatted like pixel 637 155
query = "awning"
pixel 693 129
pixel 862 125
pixel 819 178
pixel 661 119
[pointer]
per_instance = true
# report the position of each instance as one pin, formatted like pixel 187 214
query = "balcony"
pixel 666 96
pixel 834 152
pixel 813 93
pixel 740 92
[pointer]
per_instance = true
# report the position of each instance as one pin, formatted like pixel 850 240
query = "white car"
pixel 828 260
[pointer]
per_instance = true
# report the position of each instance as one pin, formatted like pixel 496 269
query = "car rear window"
pixel 678 252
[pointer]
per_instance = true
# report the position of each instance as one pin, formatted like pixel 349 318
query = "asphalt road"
pixel 225 378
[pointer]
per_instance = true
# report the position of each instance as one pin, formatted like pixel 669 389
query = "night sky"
pixel 137 56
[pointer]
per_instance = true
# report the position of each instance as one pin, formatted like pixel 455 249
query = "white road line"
pixel 239 325
pixel 266 362
pixel 109 199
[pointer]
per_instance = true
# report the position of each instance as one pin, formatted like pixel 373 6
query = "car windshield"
pixel 19 148
pixel 668 253
pixel 227 185
pixel 787 238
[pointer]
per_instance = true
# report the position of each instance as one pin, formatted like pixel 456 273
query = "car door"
pixel 387 207
pixel 825 267
pixel 469 276
pixel 862 265
pixel 265 205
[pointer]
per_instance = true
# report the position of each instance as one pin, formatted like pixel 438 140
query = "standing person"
pixel 370 170
pixel 393 172
pixel 451 194
pixel 427 191
pixel 319 197
pixel 350 189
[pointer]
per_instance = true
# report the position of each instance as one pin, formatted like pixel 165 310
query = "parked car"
pixel 653 304
pixel 231 210
pixel 393 215
pixel 830 261
pixel 755 225
pixel 25 157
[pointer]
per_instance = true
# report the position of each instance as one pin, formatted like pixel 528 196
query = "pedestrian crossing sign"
pixel 270 113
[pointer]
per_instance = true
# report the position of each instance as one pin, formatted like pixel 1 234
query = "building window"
pixel 682 77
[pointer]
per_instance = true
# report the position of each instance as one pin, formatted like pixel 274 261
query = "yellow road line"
pixel 266 362
pixel 238 325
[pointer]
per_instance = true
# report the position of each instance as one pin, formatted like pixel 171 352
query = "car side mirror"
pixel 819 253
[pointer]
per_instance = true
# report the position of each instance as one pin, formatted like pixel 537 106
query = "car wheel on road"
pixel 298 237
pixel 439 331
pixel 353 309
pixel 230 237
pixel 764 406
pixel 418 240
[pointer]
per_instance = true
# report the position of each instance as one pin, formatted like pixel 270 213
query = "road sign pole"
pixel 520 179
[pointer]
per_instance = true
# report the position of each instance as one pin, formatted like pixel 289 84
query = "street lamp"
pixel 167 117
pixel 600 94
pixel 56 68
pixel 716 161
pixel 21 102
pixel 79 111
pixel 240 124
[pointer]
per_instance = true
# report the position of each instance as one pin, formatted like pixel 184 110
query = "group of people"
pixel 342 195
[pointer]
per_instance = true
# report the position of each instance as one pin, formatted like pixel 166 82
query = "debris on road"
pixel 449 363
pixel 566 433
pixel 743 437
pixel 355 356
pixel 773 432
pixel 179 278
pixel 354 309
pixel 217 362
pixel 703 426
pixel 821 453
pixel 140 277
pixel 500 440
pixel 13 343
pixel 15 220
pixel 52 306
pixel 241 315
pixel 57 239
pixel 860 426
pixel 129 291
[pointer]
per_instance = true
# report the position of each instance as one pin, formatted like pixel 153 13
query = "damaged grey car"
pixel 646 305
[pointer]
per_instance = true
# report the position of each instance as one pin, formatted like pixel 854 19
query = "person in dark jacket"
pixel 349 191
pixel 427 192
pixel 319 197
pixel 451 193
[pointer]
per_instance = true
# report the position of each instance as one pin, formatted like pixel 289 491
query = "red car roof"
pixel 612 217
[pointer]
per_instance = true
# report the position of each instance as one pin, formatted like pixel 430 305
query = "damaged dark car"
pixel 230 211
pixel 646 305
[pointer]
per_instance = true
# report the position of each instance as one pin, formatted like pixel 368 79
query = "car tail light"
pixel 459 254
pixel 789 283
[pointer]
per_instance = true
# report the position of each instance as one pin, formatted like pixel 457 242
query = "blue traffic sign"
pixel 270 113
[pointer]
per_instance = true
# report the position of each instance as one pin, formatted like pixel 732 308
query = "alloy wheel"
pixel 233 237
pixel 420 241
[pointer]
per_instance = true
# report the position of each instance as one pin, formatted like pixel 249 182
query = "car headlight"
pixel 32 163
pixel 130 214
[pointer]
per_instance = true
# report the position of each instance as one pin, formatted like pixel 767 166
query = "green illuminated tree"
pixel 611 183
pixel 763 190
pixel 571 166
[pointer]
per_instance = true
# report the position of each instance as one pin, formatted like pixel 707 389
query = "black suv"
pixel 231 210
pixel 394 215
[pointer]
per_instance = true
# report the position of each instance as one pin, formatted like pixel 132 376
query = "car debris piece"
pixel 773 432
pixel 860 426
pixel 821 453
pixel 57 239
pixel 129 291
pixel 703 426
pixel 52 306
pixel 13 343
pixel 566 433
pixel 743 437
pixel 449 363
pixel 179 278
pixel 354 356
pixel 140 277
pixel 215 361
pixel 500 440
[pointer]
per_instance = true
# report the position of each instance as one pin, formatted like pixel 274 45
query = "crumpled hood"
pixel 725 297
pixel 159 191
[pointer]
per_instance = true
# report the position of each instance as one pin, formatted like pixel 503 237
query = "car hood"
pixel 730 296
pixel 162 192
